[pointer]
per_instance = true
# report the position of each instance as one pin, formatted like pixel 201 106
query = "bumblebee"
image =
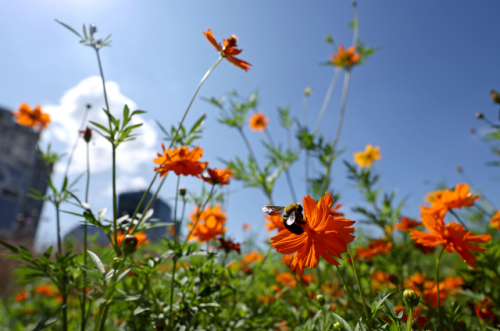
pixel 292 216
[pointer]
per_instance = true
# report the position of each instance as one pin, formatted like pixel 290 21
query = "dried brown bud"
pixel 87 134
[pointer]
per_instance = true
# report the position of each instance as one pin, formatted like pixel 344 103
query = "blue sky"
pixel 415 98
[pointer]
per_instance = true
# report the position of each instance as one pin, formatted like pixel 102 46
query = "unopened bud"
pixel 307 91
pixel 411 298
pixel 182 191
pixel 329 39
pixel 89 106
pixel 459 169
pixel 93 29
pixel 129 244
pixel 338 327
pixel 495 96
pixel 472 130
pixel 87 134
pixel 354 3
pixel 321 299
pixel 479 116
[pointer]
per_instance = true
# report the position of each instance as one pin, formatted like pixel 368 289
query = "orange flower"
pixel 374 248
pixel 379 278
pixel 258 122
pixel 458 198
pixel 287 260
pixel 287 279
pixel 421 321
pixel 229 245
pixel 446 288
pixel 210 223
pixel 141 238
pixel 246 227
pixel 21 296
pixel 334 211
pixel 406 224
pixel 274 222
pixel 253 256
pixel 345 58
pixel 306 279
pixel 366 158
pixel 483 310
pixel 323 235
pixel 416 282
pixel 181 160
pixel 217 176
pixel 453 237
pixel 32 117
pixel 433 196
pixel 495 221
pixel 229 49
pixel 45 289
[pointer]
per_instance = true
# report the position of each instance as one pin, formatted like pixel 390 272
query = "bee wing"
pixel 273 210
pixel 291 219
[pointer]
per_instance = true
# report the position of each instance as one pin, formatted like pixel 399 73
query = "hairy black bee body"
pixel 293 218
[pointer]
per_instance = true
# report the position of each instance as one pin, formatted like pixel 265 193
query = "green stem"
pixel 458 218
pixel 184 200
pixel 175 207
pixel 58 221
pixel 171 320
pixel 327 98
pixel 343 104
pixel 348 291
pixel 82 126
pixel 249 147
pixel 368 316
pixel 437 284
pixel 409 321
pixel 84 288
pixel 142 200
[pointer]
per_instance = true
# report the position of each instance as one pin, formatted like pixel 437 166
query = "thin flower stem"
pixel 58 221
pixel 175 207
pixel 437 284
pixel 355 20
pixel 141 202
pixel 249 147
pixel 173 141
pixel 348 291
pixel 343 104
pixel 304 123
pixel 368 316
pixel 84 120
pixel 327 98
pixel 287 171
pixel 409 321
pixel 184 200
pixel 456 216
pixel 84 288
pixel 171 319
pixel 199 214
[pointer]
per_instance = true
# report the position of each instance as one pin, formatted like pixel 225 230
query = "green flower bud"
pixel 321 299
pixel 411 298
pixel 495 96
pixel 479 116
pixel 307 91
pixel 338 327
pixel 182 191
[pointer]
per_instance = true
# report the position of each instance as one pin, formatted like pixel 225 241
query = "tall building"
pixel 20 169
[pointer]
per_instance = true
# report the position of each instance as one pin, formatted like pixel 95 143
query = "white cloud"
pixel 67 117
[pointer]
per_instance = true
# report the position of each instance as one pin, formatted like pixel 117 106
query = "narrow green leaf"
pixel 69 28
pixel 97 262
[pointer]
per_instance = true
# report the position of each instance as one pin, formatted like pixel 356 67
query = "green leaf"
pixel 140 309
pixel 69 28
pixel 97 262
pixel 9 247
pixel 342 321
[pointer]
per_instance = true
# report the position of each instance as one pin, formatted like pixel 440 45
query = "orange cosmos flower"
pixel 334 211
pixel 305 279
pixel 406 224
pixel 433 196
pixel 453 237
pixel 45 289
pixel 253 256
pixel 374 248
pixel 483 310
pixel 345 58
pixel 368 156
pixel 210 223
pixel 246 227
pixel 446 288
pixel 217 176
pixel 181 160
pixel 140 236
pixel 495 221
pixel 21 296
pixel 229 49
pixel 258 122
pixel 323 235
pixel 458 198
pixel 287 279
pixel 229 245
pixel 287 260
pixel 32 117
pixel 274 222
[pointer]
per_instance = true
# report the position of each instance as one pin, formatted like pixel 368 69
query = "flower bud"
pixel 182 191
pixel 479 116
pixel 87 134
pixel 307 91
pixel 459 169
pixel 321 299
pixel 495 96
pixel 472 130
pixel 338 327
pixel 411 298
pixel 129 244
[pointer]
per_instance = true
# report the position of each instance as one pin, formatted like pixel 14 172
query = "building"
pixel 127 203
pixel 21 168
